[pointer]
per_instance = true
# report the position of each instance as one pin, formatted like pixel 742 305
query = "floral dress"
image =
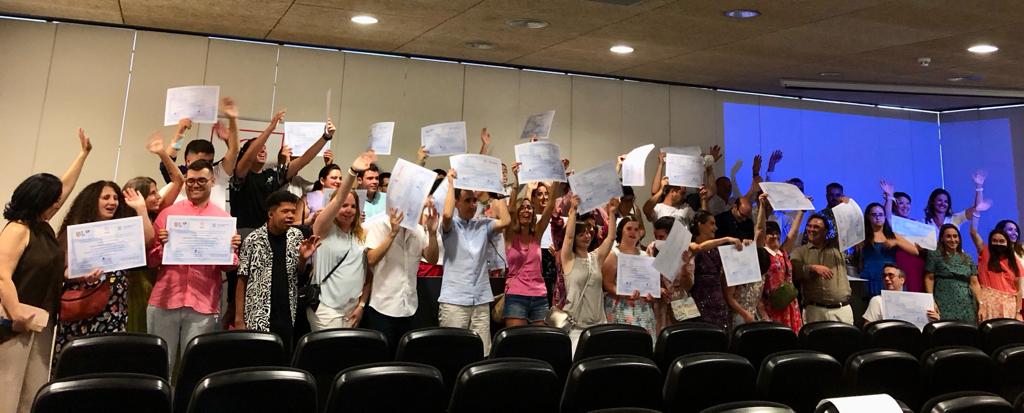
pixel 113 319
pixel 625 311
pixel 780 272
pixel 952 288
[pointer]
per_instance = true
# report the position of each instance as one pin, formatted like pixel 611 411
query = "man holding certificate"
pixel 820 267
pixel 189 259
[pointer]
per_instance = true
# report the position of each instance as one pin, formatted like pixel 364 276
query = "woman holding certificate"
pixel 582 267
pixel 780 303
pixel 30 282
pixel 526 298
pixel 626 307
pixel 879 247
pixel 708 289
pixel 999 273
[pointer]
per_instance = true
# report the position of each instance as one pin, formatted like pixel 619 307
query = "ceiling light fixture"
pixel 621 49
pixel 982 49
pixel 829 74
pixel 527 23
pixel 956 78
pixel 364 19
pixel 742 13
pixel 908 89
pixel 480 45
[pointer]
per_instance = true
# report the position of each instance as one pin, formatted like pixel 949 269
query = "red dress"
pixel 781 271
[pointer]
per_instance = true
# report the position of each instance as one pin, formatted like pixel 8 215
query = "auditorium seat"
pixel 608 339
pixel 326 353
pixel 967 402
pixel 956 368
pixel 701 380
pixel 113 353
pixel 224 350
pixel 612 381
pixel 388 387
pixel 104 393
pixel 834 338
pixel 884 371
pixel 255 390
pixel 759 339
pixel 949 333
pixel 506 385
pixel 799 379
pixel 754 406
pixel 893 335
pixel 449 349
pixel 688 337
pixel 999 332
pixel 1010 371
pixel 549 344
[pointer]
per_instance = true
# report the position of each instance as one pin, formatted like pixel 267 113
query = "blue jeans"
pixel 529 308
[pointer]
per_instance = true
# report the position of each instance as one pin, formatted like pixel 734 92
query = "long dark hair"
pixel 929 210
pixel 994 258
pixel 1018 246
pixel 85 207
pixel 869 233
pixel 33 197
pixel 326 170
pixel 959 248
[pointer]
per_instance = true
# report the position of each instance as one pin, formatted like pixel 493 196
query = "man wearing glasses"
pixel 892 280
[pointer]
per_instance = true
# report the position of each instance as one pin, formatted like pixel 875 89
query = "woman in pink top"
pixel 525 293
pixel 998 273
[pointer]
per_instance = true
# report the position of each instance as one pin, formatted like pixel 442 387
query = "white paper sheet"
pixel 849 224
pixel 300 136
pixel 596 186
pixel 199 240
pixel 439 194
pixel 683 150
pixel 917 232
pixel 874 403
pixel 684 170
pixel 409 186
pixel 786 197
pixel 907 306
pixel 541 162
pixel 538 125
pixel 477 172
pixel 546 239
pixel 670 253
pixel 198 103
pixel 637 273
pixel 444 138
pixel 111 245
pixel 381 134
pixel 741 266
pixel 361 193
pixel 634 164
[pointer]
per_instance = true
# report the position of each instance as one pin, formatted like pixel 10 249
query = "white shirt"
pixel 394 277
pixel 716 205
pixel 219 192
pixel 684 214
pixel 874 310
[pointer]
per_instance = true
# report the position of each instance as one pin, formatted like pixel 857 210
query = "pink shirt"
pixel 193 286
pixel 1005 280
pixel 524 274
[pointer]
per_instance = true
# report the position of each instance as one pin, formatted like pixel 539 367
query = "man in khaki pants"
pixel 820 268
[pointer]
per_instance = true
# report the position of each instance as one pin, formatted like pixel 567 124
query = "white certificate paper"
pixel 596 186
pixel 633 165
pixel 300 136
pixel 786 197
pixel 541 162
pixel 637 273
pixel 874 403
pixel 477 173
pixel 538 125
pixel 111 245
pixel 199 240
pixel 684 170
pixel 741 266
pixel 849 224
pixel 198 103
pixel 381 134
pixel 670 253
pixel 439 194
pixel 683 150
pixel 917 232
pixel 409 186
pixel 907 306
pixel 444 138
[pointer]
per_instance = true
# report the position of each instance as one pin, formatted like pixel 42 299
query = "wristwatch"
pixel 362 304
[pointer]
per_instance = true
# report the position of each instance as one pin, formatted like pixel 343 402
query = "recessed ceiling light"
pixel 480 44
pixel 527 23
pixel 364 19
pixel 829 74
pixel 956 78
pixel 982 48
pixel 621 49
pixel 742 13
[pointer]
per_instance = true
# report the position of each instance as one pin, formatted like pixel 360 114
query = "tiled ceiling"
pixel 680 41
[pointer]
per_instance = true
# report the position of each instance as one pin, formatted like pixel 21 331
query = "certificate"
pixel 637 273
pixel 633 165
pixel 444 138
pixel 361 193
pixel 684 170
pixel 409 186
pixel 110 245
pixel 541 162
pixel 786 197
pixel 198 103
pixel 477 173
pixel 907 306
pixel 684 150
pixel 596 186
pixel 670 253
pixel 546 240
pixel 874 403
pixel 538 125
pixel 741 266
pixel 849 224
pixel 300 136
pixel 381 134
pixel 439 194
pixel 195 240
pixel 917 232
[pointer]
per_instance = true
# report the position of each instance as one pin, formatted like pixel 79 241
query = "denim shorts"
pixel 529 308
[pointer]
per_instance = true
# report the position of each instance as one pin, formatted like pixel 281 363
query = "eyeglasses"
pixel 890 275
pixel 877 215
pixel 197 181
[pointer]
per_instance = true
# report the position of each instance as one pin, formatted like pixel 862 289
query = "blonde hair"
pixel 515 218
pixel 357 221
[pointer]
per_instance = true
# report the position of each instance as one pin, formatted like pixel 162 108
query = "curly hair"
pixel 85 208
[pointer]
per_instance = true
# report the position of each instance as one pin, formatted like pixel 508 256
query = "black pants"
pixel 393 328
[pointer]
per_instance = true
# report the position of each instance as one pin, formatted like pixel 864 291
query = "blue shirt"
pixel 376 206
pixel 466 281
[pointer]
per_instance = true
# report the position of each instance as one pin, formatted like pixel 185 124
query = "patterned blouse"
pixel 256 264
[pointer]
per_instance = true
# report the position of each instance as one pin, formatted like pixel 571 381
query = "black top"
pixel 280 311
pixel 39 274
pixel 249 195
pixel 728 226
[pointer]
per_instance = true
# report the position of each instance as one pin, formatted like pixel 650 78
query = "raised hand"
pixel 286 151
pixel 774 160
pixel 887 188
pixel 228 107
pixel 309 246
pixel 762 199
pixel 515 168
pixel 278 117
pixel 983 205
pixel 704 193
pixel 619 161
pixel 328 157
pixel 431 215
pixel 84 141
pixel 613 204
pixel 221 132
pixel 452 175
pixel 421 154
pixel 133 199
pixel 756 167
pixel 396 217
pixel 574 202
pixel 364 160
pixel 485 137
pixel 565 163
pixel 184 124
pixel 979 178
pixel 329 129
pixel 661 157
pixel 156 143
pixel 716 152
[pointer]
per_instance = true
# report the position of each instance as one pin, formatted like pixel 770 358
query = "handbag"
pixel 684 307
pixel 498 311
pixel 561 319
pixel 309 295
pixel 85 303
pixel 780 297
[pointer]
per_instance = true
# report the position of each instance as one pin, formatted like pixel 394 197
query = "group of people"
pixel 331 253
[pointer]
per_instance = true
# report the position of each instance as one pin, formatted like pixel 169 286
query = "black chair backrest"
pixel 255 390
pixel 752 406
pixel 536 342
pixel 224 350
pixel 834 338
pixel 884 371
pixel 388 387
pixel 688 337
pixel 893 335
pixel 967 402
pixel 484 386
pixel 998 332
pixel 1009 366
pixel 104 393
pixel 608 339
pixel 949 333
pixel 113 353
pixel 956 368
pixel 799 378
pixel 759 339
pixel 701 380
pixel 326 353
pixel 448 349
pixel 612 381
